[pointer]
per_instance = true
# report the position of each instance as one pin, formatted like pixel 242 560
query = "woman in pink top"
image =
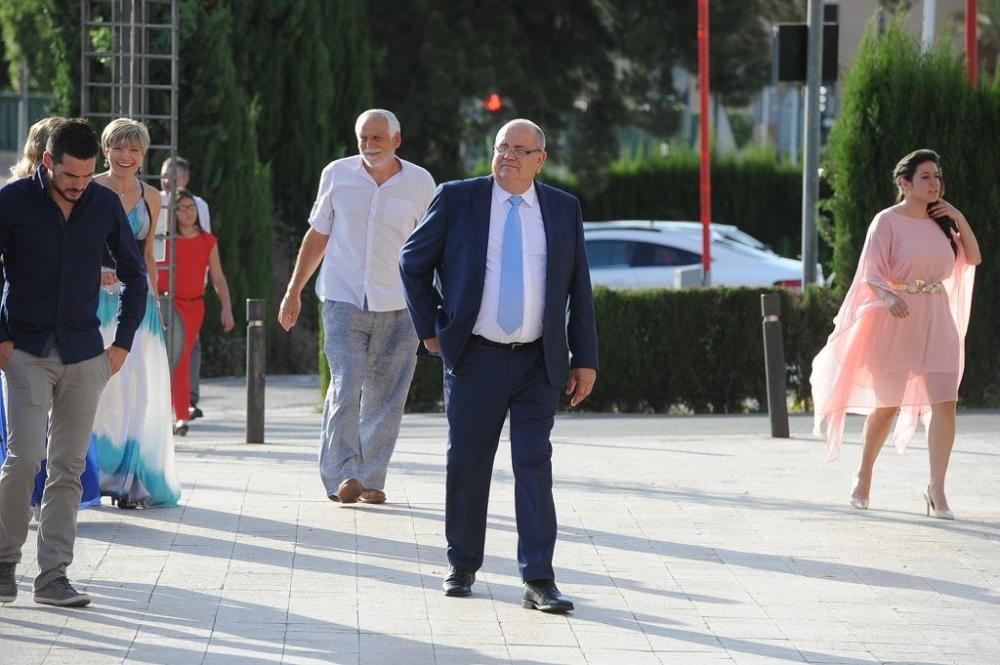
pixel 898 341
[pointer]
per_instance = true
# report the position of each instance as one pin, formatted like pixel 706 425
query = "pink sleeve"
pixel 876 256
pixel 959 288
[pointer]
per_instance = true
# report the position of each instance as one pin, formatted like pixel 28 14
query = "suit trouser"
pixel 372 356
pixel 72 391
pixel 487 383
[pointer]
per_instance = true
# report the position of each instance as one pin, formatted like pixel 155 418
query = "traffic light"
pixel 493 103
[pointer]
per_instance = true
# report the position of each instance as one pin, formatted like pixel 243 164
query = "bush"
pixel 896 100
pixel 699 350
pixel 754 191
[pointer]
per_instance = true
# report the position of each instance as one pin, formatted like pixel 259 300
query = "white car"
pixel 654 254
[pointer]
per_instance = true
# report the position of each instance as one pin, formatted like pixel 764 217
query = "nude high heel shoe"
pixel 860 504
pixel 940 514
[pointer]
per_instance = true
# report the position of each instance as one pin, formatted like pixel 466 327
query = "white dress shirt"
pixel 534 248
pixel 367 225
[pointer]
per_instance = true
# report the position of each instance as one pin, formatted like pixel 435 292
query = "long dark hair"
pixel 906 168
pixel 185 194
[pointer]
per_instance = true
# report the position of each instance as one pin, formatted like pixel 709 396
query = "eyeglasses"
pixel 186 207
pixel 519 151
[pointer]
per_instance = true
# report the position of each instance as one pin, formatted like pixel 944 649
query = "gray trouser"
pixel 72 391
pixel 372 356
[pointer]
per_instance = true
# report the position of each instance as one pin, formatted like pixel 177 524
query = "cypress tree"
pixel 218 136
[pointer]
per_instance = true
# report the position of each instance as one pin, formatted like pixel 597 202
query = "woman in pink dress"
pixel 897 348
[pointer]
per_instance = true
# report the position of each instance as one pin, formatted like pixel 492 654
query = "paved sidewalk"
pixel 683 540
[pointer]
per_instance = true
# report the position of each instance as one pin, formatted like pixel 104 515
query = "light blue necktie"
pixel 511 310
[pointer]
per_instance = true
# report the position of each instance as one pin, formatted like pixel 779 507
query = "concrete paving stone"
pixel 164 655
pixel 914 653
pixel 705 531
pixel 527 634
pixel 742 628
pixel 761 650
pixel 485 654
pixel 620 655
pixel 550 655
pixel 840 657
pixel 376 649
pixel 86 654
pixel 268 584
pixel 693 657
pixel 627 637
pixel 394 626
pixel 239 657
pixel 966 641
pixel 685 639
pixel 855 612
pixel 778 608
pixel 319 658
pixel 24 650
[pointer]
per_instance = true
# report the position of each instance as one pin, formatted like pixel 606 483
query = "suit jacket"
pixel 452 240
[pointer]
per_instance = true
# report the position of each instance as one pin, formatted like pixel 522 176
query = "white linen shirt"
pixel 533 248
pixel 367 225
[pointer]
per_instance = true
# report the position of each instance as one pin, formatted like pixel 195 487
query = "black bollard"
pixel 774 364
pixel 255 370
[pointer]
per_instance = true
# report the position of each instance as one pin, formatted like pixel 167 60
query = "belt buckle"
pixel 514 346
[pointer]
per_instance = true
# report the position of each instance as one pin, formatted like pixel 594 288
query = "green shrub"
pixel 699 350
pixel 753 191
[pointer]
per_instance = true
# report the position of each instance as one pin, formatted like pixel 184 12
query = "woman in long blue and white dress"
pixel 133 427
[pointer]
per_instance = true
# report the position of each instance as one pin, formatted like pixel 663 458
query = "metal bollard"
pixel 774 364
pixel 255 370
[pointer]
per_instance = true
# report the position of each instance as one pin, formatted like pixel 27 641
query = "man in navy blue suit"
pixel 512 315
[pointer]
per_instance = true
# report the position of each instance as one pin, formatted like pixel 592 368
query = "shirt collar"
pixel 40 180
pixel 359 166
pixel 529 198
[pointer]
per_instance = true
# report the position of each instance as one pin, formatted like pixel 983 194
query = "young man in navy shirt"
pixel 55 230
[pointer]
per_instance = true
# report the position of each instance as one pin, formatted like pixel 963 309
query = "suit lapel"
pixel 551 251
pixel 479 228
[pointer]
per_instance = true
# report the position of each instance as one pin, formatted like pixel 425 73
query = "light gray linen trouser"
pixel 372 356
pixel 72 391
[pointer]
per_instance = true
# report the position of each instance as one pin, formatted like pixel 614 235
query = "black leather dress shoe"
pixel 458 583
pixel 544 595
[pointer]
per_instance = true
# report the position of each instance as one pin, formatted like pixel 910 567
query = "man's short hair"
pixel 75 137
pixel 532 125
pixel 125 131
pixel 183 166
pixel 388 116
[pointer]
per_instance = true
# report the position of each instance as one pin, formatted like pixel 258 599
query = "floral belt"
pixel 919 286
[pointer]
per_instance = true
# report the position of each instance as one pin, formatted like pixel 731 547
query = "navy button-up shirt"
pixel 52 270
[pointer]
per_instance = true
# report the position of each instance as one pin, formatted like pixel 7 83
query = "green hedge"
pixel 755 192
pixel 697 350
pixel 896 100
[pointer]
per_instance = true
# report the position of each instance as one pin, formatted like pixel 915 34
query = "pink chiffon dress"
pixel 873 359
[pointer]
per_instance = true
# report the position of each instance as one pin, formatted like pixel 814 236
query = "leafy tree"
pixel 45 34
pixel 569 64
pixel 435 59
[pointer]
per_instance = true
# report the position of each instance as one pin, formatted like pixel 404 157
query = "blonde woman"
pixel 34 147
pixel 135 444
